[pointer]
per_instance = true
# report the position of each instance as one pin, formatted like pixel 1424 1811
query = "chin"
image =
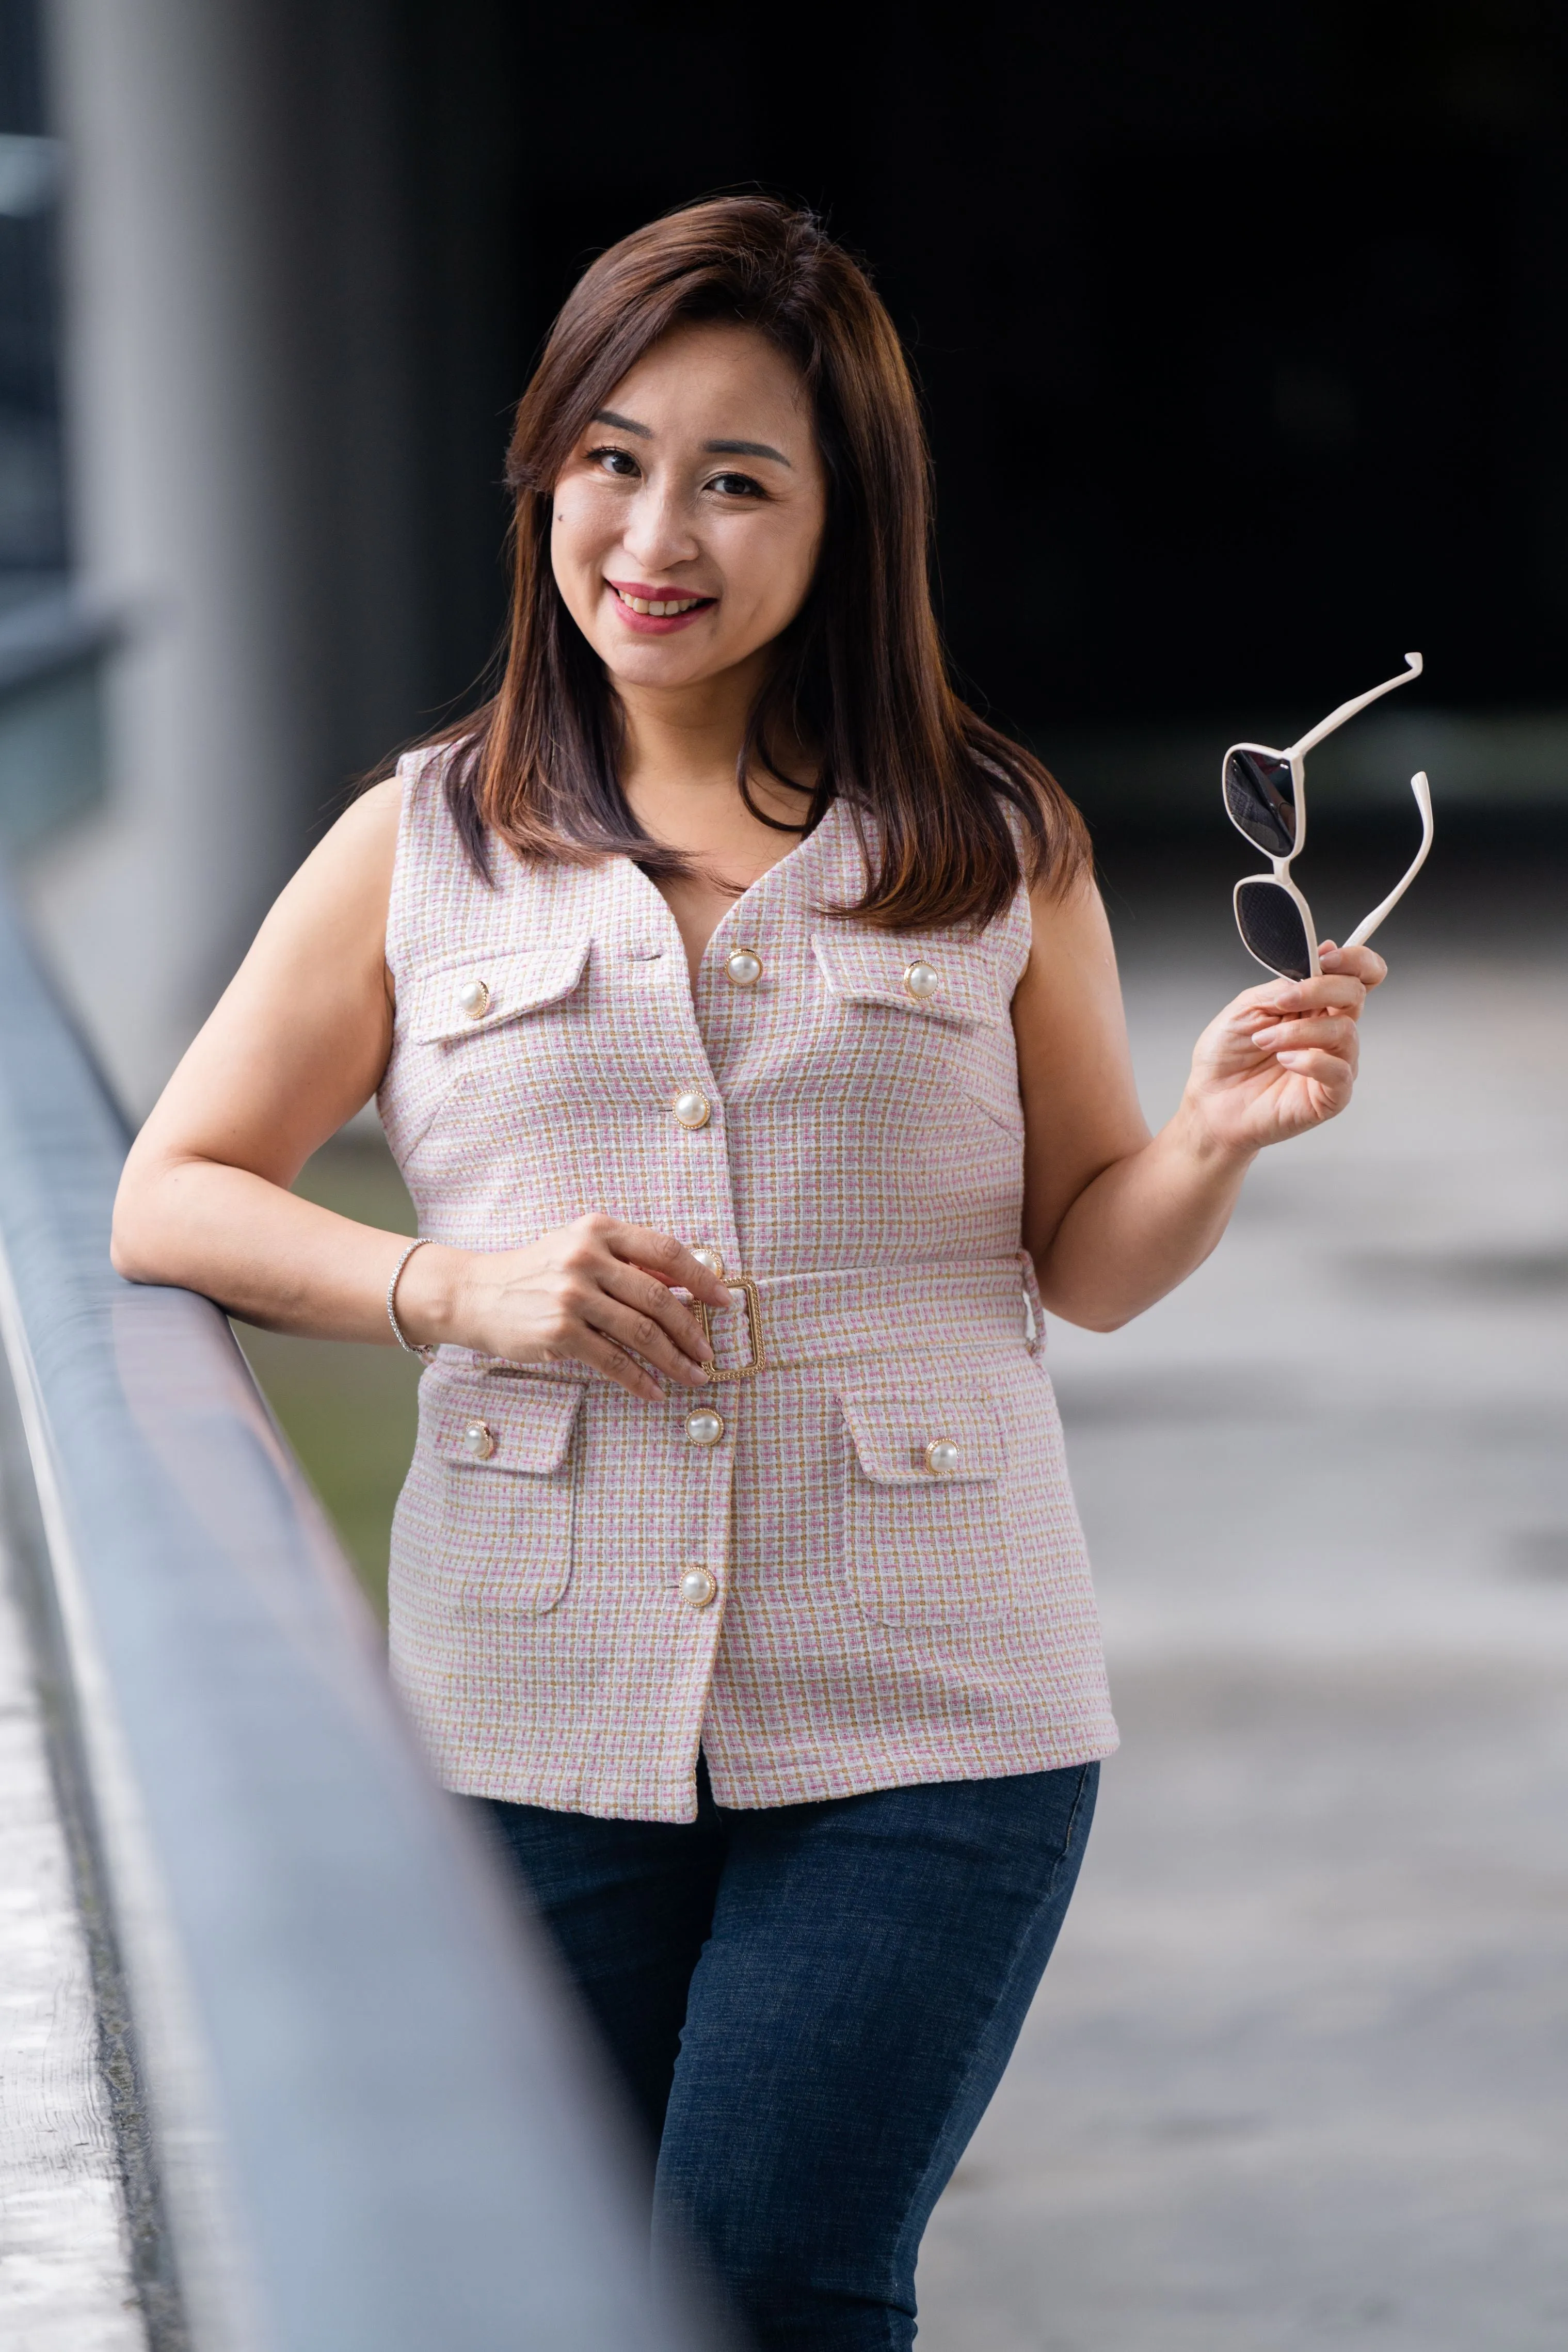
pixel 660 662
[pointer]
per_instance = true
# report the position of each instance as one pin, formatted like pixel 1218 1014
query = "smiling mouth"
pixel 659 608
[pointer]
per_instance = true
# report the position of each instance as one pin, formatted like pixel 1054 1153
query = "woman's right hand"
pixel 596 1292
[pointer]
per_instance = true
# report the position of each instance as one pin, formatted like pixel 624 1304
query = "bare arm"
pixel 296 1045
pixel 1113 1217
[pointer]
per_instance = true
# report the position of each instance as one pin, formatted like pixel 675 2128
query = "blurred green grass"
pixel 348 1411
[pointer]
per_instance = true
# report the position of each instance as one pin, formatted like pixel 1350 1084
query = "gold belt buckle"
pixel 759 1363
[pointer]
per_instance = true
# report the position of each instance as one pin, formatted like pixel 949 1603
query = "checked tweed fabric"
pixel 873 1620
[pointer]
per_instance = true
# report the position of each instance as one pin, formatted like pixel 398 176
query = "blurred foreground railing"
pixel 374 2123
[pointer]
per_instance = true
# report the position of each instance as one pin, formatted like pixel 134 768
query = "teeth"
pixel 660 611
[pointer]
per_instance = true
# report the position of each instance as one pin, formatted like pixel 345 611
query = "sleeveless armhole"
pixel 1013 932
pixel 423 812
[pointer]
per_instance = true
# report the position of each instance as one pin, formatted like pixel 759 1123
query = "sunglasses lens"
pixel 1260 794
pixel 1270 924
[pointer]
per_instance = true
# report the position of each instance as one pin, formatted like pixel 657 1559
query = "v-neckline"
pixel 790 858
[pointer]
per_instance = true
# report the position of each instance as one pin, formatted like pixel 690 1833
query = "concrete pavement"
pixel 1297 2077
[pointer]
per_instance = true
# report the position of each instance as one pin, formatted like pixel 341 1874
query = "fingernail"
pixel 1270 1029
pixel 1290 1060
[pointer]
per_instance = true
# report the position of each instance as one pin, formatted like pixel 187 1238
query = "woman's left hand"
pixel 1283 1058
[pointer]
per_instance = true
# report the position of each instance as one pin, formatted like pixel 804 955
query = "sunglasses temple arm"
pixel 1348 709
pixel 1419 786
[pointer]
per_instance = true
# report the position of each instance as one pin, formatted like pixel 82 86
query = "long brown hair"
pixel 951 813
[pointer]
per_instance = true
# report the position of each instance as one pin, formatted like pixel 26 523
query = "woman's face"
pixel 697 487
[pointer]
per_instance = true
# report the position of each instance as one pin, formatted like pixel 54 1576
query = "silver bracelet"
pixel 426 1355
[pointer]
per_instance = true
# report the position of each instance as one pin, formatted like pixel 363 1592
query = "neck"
pixel 686 737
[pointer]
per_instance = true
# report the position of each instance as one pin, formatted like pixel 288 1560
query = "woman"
pixel 745 1023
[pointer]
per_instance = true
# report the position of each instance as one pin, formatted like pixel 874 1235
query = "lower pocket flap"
pixel 931 1440
pixel 507 1424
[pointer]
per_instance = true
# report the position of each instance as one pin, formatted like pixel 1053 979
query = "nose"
pixel 660 531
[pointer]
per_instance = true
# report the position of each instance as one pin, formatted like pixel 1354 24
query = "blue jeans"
pixel 811 2006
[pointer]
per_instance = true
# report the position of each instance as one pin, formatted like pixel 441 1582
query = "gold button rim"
pixel 941 1470
pixel 481 1003
pixel 706 1254
pixel 738 980
pixel 699 1588
pixel 704 1413
pixel 485 1434
pixel 694 1094
pixel 921 995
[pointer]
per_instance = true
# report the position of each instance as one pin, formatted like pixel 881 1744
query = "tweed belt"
pixel 784 1321
pixel 792 1319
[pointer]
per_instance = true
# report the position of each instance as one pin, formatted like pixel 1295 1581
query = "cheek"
pixel 583 524
pixel 578 540
pixel 790 567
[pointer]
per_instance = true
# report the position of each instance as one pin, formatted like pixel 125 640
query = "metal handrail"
pixel 379 2124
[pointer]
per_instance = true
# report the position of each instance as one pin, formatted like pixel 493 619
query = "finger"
pixel 1341 988
pixel 1346 1053
pixel 647 1294
pixel 632 1328
pixel 1363 963
pixel 1329 1071
pixel 604 1355
pixel 1337 1033
pixel 1335 992
pixel 661 1255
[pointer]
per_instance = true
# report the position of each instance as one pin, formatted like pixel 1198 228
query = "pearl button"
pixel 475 999
pixel 478 1441
pixel 921 980
pixel 704 1428
pixel 744 966
pixel 698 1587
pixel 691 1108
pixel 942 1457
pixel 706 1254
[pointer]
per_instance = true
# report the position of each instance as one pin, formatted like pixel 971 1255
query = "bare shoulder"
pixel 345 886
pixel 1067 928
pixel 364 841
pixel 326 931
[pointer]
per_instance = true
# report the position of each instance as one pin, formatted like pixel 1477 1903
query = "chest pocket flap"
pixel 951 980
pixel 488 989
pixel 936 1440
pixel 500 1423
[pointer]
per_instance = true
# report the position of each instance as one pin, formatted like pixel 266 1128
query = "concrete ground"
pixel 1298 2076
pixel 65 2267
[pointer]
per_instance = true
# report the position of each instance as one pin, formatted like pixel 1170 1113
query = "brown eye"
pixel 737 485
pixel 619 463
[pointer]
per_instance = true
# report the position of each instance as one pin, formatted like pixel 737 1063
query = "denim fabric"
pixel 811 2006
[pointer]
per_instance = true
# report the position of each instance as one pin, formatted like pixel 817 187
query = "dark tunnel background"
pixel 1243 332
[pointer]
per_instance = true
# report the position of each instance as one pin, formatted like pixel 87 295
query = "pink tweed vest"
pixel 852 1563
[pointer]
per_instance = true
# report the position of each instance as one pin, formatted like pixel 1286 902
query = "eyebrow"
pixel 744 449
pixel 710 448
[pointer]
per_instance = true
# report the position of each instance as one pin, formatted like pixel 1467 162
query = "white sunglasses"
pixel 1265 798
